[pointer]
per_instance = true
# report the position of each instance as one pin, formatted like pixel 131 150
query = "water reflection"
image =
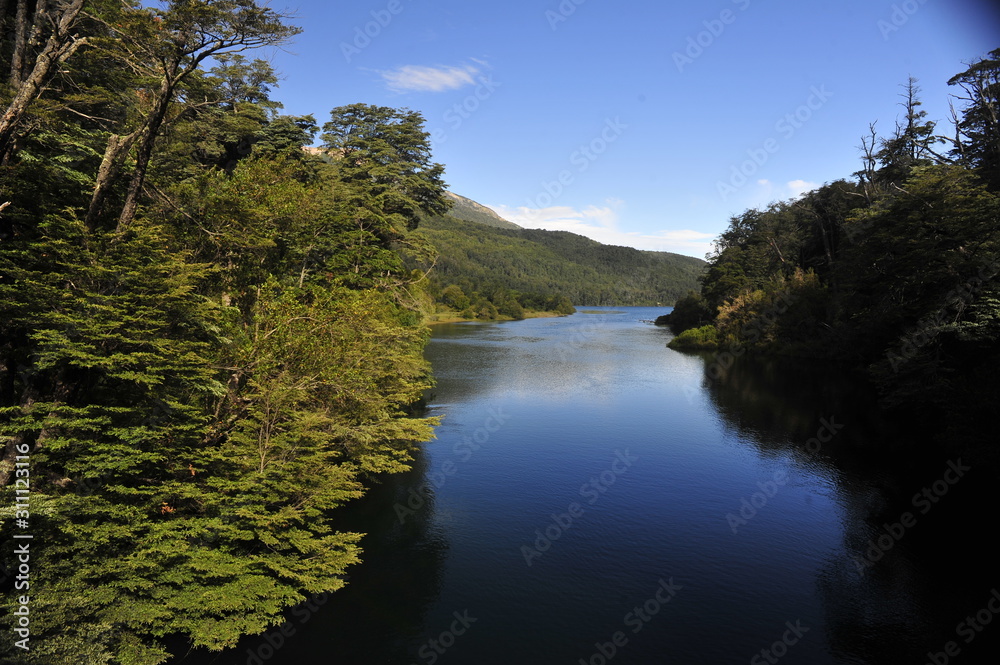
pixel 564 396
pixel 915 565
pixel 380 615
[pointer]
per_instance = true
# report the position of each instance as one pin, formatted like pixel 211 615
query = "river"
pixel 595 497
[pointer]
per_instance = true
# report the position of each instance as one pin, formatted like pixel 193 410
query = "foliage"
pixel 704 338
pixel 208 339
pixel 896 273
pixel 691 311
pixel 539 265
pixel 977 142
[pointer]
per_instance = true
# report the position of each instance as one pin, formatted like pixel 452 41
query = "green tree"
pixel 911 144
pixel 198 381
pixel 387 182
pixel 166 48
pixel 454 297
pixel 691 311
pixel 44 37
pixel 977 140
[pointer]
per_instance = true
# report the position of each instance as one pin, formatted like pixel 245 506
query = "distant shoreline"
pixel 459 319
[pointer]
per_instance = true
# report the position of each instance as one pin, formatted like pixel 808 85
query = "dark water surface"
pixel 671 510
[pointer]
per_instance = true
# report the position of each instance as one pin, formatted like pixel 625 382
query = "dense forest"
pixel 479 256
pixel 208 337
pixel 893 271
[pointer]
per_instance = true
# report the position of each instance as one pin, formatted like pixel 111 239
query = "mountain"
pixel 484 253
pixel 470 211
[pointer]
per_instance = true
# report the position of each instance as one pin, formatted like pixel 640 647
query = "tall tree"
pixel 386 154
pixel 165 48
pixel 977 143
pixel 911 144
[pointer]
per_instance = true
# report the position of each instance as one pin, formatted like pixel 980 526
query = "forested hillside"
pixel 208 339
pixel 894 270
pixel 479 258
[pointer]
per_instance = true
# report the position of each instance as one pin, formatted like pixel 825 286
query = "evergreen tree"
pixel 977 141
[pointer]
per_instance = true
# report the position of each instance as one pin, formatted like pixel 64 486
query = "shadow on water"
pixel 379 616
pixel 884 573
pixel 922 584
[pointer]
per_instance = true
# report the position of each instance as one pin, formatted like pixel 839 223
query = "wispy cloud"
pixel 768 192
pixel 419 78
pixel 600 223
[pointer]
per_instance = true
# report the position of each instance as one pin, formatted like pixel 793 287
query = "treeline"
pixel 498 303
pixel 486 259
pixel 208 337
pixel 894 270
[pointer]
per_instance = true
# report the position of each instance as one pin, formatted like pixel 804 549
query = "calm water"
pixel 672 511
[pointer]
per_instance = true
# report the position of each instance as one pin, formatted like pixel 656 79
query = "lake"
pixel 595 497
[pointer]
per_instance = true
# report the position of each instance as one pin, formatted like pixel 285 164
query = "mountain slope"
pixel 483 258
pixel 470 211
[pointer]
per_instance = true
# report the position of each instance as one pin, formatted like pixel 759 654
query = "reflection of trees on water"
pixel 380 615
pixel 915 589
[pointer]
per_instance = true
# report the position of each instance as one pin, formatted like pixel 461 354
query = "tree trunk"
pixel 59 46
pixel 17 58
pixel 61 392
pixel 146 144
pixel 38 23
pixel 107 174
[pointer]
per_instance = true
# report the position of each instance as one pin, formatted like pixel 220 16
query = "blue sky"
pixel 634 122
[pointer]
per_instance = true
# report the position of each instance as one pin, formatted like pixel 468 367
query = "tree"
pixel 386 183
pixel 44 38
pixel 197 386
pixel 691 311
pixel 386 154
pixel 454 297
pixel 977 142
pixel 165 48
pixel 911 144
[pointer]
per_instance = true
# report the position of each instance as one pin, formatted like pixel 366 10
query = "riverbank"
pixel 454 317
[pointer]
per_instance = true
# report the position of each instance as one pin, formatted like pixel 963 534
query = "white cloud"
pixel 768 192
pixel 600 223
pixel 418 78
pixel 800 187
